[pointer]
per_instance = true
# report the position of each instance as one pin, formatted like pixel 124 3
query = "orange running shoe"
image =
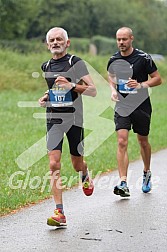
pixel 58 219
pixel 87 186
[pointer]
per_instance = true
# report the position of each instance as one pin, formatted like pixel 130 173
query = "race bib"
pixel 60 97
pixel 123 88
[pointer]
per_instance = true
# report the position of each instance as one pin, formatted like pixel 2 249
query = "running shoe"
pixel 122 189
pixel 146 186
pixel 58 219
pixel 87 186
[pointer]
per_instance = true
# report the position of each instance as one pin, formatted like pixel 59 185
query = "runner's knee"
pixel 143 143
pixel 54 165
pixel 122 143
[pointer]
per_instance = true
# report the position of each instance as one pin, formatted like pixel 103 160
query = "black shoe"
pixel 122 189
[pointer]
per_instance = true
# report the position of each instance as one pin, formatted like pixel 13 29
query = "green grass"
pixel 19 130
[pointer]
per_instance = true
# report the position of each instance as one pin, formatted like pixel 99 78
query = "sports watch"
pixel 73 85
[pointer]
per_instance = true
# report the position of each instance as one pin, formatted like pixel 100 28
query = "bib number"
pixel 60 98
pixel 123 88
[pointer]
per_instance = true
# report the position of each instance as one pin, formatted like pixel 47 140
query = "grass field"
pixel 20 130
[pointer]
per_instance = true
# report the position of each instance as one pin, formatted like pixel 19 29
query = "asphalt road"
pixel 102 222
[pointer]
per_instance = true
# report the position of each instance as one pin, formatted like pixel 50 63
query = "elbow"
pixel 160 81
pixel 94 93
pixel 91 91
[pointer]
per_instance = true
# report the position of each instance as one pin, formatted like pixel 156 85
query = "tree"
pixel 74 16
pixel 29 19
pixel 16 16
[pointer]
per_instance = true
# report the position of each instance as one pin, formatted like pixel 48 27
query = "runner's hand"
pixel 42 101
pixel 133 84
pixel 62 82
pixel 114 96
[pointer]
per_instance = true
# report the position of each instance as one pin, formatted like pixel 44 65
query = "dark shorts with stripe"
pixel 139 120
pixel 55 137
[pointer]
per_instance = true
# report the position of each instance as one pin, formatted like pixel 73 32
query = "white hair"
pixel 56 28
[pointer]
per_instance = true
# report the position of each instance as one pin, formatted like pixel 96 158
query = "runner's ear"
pixel 68 43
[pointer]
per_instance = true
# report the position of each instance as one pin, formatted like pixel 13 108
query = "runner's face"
pixel 57 43
pixel 124 41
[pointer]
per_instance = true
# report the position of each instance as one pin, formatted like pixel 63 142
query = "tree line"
pixel 22 19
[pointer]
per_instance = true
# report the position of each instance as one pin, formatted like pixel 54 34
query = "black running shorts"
pixel 55 136
pixel 138 120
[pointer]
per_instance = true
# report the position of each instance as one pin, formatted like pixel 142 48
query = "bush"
pixel 104 45
pixel 23 46
pixel 37 45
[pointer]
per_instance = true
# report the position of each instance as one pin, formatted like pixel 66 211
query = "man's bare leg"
pixel 122 154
